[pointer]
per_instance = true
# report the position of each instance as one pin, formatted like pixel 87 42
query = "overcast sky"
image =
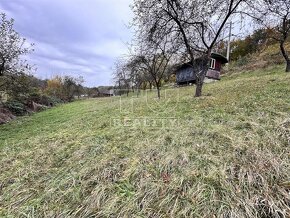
pixel 73 37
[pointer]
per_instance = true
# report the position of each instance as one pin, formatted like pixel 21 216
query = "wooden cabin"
pixel 106 93
pixel 186 73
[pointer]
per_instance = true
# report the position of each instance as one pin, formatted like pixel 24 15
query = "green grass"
pixel 222 155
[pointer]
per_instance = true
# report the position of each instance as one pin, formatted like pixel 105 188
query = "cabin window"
pixel 212 63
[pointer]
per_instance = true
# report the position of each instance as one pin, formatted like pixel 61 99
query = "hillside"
pixel 267 56
pixel 222 155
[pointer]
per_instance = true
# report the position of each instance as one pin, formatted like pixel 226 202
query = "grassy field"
pixel 226 154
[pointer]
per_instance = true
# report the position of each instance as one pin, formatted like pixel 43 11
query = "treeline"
pixel 253 43
pixel 21 92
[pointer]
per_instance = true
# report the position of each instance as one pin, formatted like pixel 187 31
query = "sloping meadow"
pixel 222 155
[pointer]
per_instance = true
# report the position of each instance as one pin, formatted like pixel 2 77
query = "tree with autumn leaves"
pixel 65 88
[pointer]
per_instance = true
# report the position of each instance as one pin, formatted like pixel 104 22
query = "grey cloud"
pixel 76 37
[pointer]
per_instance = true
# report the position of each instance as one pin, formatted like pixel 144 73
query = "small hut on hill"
pixel 186 73
pixel 106 93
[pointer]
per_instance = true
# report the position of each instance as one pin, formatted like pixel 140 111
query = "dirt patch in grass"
pixel 5 116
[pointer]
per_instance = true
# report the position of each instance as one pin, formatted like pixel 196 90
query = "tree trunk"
pixel 200 78
pixel 288 66
pixel 158 92
pixel 285 55
pixel 2 67
pixel 198 90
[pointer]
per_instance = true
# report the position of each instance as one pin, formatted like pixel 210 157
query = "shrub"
pixel 54 100
pixel 44 99
pixel 16 107
pixel 242 61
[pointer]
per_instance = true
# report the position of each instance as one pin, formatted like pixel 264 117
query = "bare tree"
pixel 154 62
pixel 134 73
pixel 148 64
pixel 79 88
pixel 195 27
pixel 275 15
pixel 122 76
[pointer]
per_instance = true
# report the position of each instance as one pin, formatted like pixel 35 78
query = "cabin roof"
pixel 216 56
pixel 220 57
pixel 107 92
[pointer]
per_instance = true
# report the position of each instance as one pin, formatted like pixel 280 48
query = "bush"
pixel 54 100
pixel 242 61
pixel 16 107
pixel 44 99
